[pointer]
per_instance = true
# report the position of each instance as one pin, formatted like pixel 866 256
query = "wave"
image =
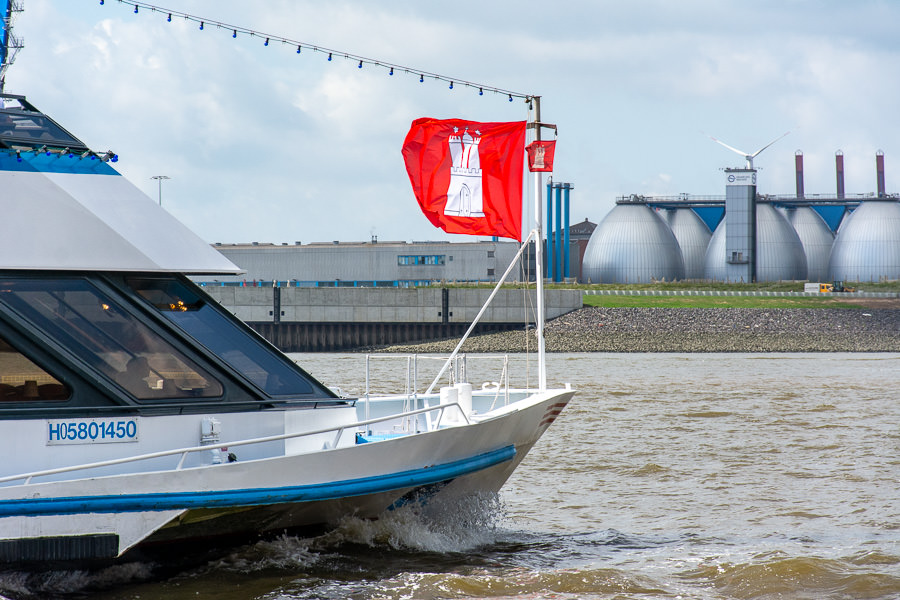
pixel 799 578
pixel 21 585
pixel 436 527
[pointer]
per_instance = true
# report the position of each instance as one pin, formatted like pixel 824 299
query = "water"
pixel 702 476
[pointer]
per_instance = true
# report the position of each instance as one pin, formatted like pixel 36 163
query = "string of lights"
pixel 361 61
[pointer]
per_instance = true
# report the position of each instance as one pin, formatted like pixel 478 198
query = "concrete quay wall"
pixel 387 305
pixel 330 319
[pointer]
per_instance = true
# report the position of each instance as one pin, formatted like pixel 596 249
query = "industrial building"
pixel 747 237
pixel 370 264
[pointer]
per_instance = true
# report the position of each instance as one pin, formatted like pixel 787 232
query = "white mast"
pixel 538 258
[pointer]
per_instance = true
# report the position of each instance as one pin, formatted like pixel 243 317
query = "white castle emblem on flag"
pixel 539 158
pixel 464 192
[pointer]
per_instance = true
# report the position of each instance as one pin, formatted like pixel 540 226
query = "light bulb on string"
pixel 202 26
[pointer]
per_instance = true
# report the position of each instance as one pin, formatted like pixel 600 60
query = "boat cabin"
pixel 76 343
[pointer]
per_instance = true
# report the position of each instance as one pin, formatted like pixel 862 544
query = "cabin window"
pixel 93 327
pixel 23 381
pixel 270 371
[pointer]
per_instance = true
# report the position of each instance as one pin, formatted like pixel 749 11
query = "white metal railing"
pixel 457 373
pixel 338 429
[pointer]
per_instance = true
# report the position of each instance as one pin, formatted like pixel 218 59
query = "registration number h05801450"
pixel 92 431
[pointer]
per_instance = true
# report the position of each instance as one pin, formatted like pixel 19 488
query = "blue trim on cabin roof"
pixel 32 507
pixel 55 163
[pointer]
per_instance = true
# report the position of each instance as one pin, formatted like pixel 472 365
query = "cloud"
pixel 262 143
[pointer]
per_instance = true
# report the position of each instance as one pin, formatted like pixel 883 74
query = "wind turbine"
pixel 749 157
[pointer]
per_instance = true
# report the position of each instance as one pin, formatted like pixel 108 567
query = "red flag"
pixel 540 155
pixel 467 176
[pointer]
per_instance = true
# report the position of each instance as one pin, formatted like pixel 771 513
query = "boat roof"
pixel 66 208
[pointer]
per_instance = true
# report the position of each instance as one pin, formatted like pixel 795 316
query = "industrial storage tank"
pixel 693 237
pixel 867 246
pixel 632 244
pixel 816 237
pixel 779 251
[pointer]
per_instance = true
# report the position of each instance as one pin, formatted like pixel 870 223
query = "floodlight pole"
pixel 160 178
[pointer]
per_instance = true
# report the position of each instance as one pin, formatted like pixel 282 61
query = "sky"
pixel 262 144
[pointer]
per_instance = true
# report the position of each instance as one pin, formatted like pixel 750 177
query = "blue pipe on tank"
pixel 557 236
pixel 549 230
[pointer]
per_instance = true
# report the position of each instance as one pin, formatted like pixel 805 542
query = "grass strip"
pixel 715 302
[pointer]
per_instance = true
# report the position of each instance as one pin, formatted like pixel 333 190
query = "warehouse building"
pixel 370 264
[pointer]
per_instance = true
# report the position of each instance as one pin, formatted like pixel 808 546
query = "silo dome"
pixel 816 237
pixel 632 244
pixel 693 238
pixel 779 252
pixel 867 246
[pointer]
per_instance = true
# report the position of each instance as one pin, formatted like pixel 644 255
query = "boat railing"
pixel 456 373
pixel 338 430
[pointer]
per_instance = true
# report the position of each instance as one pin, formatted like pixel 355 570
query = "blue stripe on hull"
pixel 31 507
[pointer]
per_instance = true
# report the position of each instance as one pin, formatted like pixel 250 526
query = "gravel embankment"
pixel 698 330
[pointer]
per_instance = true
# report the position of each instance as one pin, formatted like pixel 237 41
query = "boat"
pixel 140 418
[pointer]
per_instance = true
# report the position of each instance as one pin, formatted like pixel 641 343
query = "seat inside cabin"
pixel 21 380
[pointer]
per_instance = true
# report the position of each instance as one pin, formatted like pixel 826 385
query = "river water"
pixel 701 476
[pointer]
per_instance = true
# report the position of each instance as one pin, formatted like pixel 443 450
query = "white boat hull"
pixel 105 518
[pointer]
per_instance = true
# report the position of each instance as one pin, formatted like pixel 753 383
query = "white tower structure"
pixel 740 208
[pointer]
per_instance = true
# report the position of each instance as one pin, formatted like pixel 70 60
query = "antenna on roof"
pixel 749 157
pixel 9 43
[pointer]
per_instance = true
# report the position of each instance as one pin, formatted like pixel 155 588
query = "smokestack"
pixel 879 172
pixel 839 167
pixel 798 165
